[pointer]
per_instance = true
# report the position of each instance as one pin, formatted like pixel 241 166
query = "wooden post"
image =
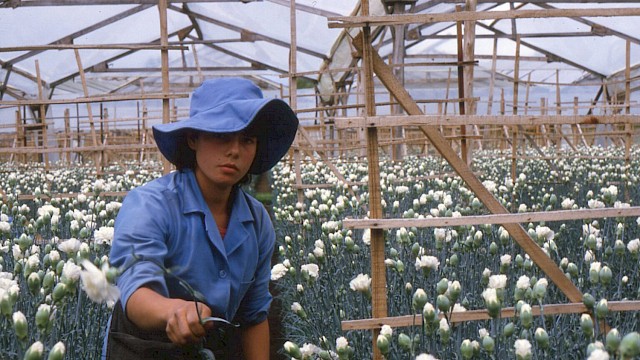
pixel 461 90
pixel 516 76
pixel 164 58
pixel 378 269
pixel 96 156
pixel 19 135
pixel 293 91
pixel 557 129
pixel 469 46
pixel 43 120
pixel 67 136
pixel 577 127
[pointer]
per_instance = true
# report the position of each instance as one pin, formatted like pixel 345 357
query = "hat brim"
pixel 277 121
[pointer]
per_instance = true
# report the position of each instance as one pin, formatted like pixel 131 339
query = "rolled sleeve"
pixel 139 244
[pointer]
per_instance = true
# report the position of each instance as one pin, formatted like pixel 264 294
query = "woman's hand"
pixel 179 318
pixel 183 323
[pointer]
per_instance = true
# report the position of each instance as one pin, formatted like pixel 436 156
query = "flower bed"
pixel 323 270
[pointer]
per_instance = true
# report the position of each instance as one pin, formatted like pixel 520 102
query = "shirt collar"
pixel 194 200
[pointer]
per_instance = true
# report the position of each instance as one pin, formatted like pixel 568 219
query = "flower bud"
pixel 588 300
pixel 443 303
pixel 43 316
pixel 34 352
pixel 466 349
pixel 630 346
pixel 442 286
pixel 428 313
pixel 542 338
pixel 526 318
pixel 33 283
pixel 605 275
pixel 602 309
pixel 612 340
pixel 488 344
pixel 20 325
pixel 419 299
pixel 586 324
pixel 383 344
pixel 292 350
pixel 59 292
pixel 509 329
pixel 57 352
pixel 404 341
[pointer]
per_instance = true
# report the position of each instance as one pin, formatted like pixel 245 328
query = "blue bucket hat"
pixel 228 105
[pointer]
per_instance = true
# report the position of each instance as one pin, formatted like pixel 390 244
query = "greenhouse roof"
pixel 117 43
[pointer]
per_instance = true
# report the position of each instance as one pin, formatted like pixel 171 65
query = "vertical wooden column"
pixel 293 92
pixel 557 129
pixel 627 110
pixel 469 45
pixel 18 141
pixel 516 76
pixel 627 102
pixel 378 270
pixel 43 120
pixel 96 156
pixel 577 127
pixel 67 137
pixel 164 58
pixel 464 152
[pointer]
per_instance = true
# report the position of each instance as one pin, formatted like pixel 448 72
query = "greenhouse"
pixel 463 182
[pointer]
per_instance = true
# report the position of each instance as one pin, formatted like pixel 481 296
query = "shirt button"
pixel 223 274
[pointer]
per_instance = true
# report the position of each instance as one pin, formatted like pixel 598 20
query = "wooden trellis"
pixel 373 63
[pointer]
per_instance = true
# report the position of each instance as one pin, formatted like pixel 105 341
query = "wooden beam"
pixel 33 3
pixel 93 99
pixel 360 21
pixel 527 217
pixel 457 120
pixel 483 314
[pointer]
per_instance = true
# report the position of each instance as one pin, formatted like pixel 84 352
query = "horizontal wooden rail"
pixel 94 99
pixel 475 315
pixel 33 150
pixel 456 120
pixel 67 195
pixel 92 47
pixel 526 217
pixel 380 20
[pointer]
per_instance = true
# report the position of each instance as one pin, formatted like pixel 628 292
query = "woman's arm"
pixel 152 311
pixel 255 341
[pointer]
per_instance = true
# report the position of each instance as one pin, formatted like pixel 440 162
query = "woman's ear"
pixel 192 137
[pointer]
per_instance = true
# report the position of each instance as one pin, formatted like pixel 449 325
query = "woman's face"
pixel 222 159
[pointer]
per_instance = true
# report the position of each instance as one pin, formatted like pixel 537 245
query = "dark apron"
pixel 128 342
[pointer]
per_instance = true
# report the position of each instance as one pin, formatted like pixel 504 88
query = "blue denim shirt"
pixel 168 221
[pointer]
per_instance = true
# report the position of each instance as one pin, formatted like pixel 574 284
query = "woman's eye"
pixel 249 139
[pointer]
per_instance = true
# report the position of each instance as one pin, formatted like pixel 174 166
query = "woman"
pixel 213 241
